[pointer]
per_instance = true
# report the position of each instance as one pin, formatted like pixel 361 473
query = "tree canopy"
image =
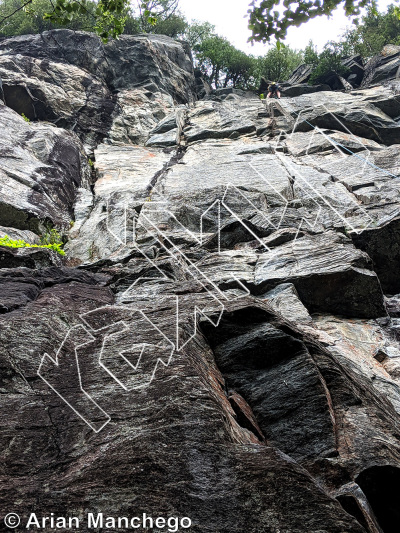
pixel 107 18
pixel 272 18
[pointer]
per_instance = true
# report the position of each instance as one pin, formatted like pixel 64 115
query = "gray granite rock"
pixel 41 169
pixel 222 340
pixel 75 81
pixel 336 278
pixel 384 66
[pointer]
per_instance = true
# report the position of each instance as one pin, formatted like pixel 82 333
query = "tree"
pixel 197 32
pixel 152 12
pixel 107 18
pixel 329 60
pixel 212 57
pixel 311 54
pixel 239 69
pixel 174 26
pixel 278 64
pixel 31 19
pixel 266 21
pixel 376 30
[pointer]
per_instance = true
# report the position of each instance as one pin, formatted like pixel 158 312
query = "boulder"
pixel 17 234
pixel 299 144
pixel 355 65
pixel 300 75
pixel 58 92
pixel 335 81
pixel 344 113
pixel 28 257
pixel 382 245
pixel 337 278
pixel 383 67
pixel 383 97
pixel 210 120
pixel 285 300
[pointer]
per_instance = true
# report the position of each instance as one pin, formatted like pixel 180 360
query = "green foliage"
pixel 50 237
pixel 197 32
pixel 212 55
pixel 11 243
pixel 107 18
pixel 279 63
pixel 109 15
pixel 375 31
pixel 225 66
pixel 239 69
pixel 25 117
pixel 330 59
pixel 31 19
pixel 266 21
pixel 174 26
pixel 155 12
pixel 311 54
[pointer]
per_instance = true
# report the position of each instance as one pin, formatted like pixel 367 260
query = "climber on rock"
pixel 274 89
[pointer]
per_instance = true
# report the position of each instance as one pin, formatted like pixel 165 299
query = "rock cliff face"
pixel 221 341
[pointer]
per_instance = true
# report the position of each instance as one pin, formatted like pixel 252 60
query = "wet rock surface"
pixel 221 340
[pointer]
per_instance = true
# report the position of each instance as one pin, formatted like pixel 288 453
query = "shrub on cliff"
pixel 19 243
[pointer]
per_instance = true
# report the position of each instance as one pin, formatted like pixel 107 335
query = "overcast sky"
pixel 229 17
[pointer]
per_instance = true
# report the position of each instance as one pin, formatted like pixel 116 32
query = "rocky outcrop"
pixel 303 88
pixel 300 75
pixel 382 67
pixel 99 91
pixel 355 113
pixel 221 340
pixel 356 66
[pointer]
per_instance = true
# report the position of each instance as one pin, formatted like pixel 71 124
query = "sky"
pixel 229 18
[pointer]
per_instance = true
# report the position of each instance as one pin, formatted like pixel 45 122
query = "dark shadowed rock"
pixel 303 88
pixel 27 257
pixel 355 65
pixel 382 67
pixel 335 81
pixel 23 284
pixel 336 277
pixel 382 245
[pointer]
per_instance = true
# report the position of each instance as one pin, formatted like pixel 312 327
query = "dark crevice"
pixel 351 506
pixel 381 485
pixel 274 373
pixel 178 154
pixel 160 174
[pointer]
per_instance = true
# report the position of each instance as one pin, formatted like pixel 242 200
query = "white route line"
pixel 55 361
pixel 178 255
